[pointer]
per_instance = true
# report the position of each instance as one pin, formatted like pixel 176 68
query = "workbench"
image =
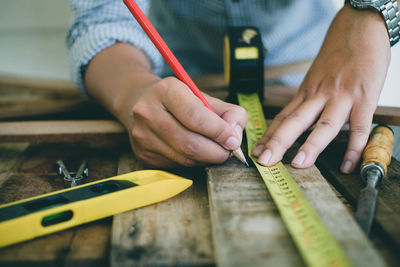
pixel 226 218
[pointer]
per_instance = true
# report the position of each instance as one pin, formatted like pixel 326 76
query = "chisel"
pixel 376 157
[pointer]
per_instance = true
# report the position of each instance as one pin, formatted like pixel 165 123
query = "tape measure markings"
pixel 316 244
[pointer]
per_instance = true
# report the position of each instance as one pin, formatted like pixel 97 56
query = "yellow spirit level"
pixel 45 214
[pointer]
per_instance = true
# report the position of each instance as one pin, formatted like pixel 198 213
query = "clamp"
pixel 74 177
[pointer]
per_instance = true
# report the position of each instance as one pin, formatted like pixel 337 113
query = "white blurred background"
pixel 32 43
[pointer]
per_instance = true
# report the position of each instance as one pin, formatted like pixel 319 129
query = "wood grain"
pixel 22 97
pixel 37 84
pixel 27 97
pixel 387 115
pixel 61 131
pixel 248 229
pixel 9 156
pixel 175 232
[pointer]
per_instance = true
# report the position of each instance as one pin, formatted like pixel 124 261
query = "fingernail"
pixel 346 167
pixel 299 159
pixel 239 130
pixel 264 157
pixel 257 150
pixel 232 143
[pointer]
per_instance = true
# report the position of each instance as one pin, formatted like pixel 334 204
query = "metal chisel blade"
pixel 366 208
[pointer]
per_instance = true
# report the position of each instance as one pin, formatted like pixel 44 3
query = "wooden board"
pixel 387 218
pixel 248 230
pixel 33 172
pixel 62 131
pixel 388 115
pixel 25 97
pixel 175 232
pixel 9 156
pixel 22 97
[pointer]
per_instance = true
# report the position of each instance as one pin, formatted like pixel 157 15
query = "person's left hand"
pixel 342 85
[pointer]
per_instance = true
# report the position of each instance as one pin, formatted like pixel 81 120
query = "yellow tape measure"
pixel 314 241
pixel 244 73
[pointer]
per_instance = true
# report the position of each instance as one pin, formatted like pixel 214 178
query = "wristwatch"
pixel 389 11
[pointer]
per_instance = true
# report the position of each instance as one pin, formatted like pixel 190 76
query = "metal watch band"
pixel 390 13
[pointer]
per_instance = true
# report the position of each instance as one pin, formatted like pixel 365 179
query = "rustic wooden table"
pixel 226 218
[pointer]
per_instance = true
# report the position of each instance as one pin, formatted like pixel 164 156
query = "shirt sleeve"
pixel 100 24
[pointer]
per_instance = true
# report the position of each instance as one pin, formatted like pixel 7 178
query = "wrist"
pixel 388 11
pixel 117 76
pixel 132 86
pixel 365 27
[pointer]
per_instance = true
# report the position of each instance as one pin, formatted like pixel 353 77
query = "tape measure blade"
pixel 314 241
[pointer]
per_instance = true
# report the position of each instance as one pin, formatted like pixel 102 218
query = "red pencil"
pixel 171 59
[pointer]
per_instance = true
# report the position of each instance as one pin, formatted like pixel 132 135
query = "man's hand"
pixel 343 85
pixel 167 124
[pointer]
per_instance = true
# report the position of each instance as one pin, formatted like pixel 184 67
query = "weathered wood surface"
pixel 387 218
pixel 32 171
pixel 175 232
pixel 62 131
pixel 26 97
pixel 388 115
pixel 248 230
pixel 9 155
pixel 184 238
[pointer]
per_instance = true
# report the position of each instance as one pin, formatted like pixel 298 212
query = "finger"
pixel 290 129
pixel 360 124
pixel 327 127
pixel 185 145
pixel 194 116
pixel 147 140
pixel 260 145
pixel 234 115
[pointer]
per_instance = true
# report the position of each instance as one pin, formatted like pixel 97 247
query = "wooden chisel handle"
pixel 379 148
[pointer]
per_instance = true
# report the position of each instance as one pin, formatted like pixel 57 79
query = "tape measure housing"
pixel 243 47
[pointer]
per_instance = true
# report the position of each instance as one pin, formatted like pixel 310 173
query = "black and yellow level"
pixel 49 213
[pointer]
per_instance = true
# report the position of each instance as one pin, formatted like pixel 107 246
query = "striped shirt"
pixel 292 30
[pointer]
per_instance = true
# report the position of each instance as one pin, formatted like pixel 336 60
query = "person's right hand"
pixel 168 125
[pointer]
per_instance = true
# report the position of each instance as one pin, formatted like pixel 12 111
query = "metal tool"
pixel 376 157
pixel 74 177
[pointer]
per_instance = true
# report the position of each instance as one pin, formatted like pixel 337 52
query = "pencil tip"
pixel 247 164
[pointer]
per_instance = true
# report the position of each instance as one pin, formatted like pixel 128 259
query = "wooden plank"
pixel 61 131
pixel 37 84
pixel 388 115
pixel 35 174
pixel 387 218
pixel 26 97
pixel 9 156
pixel 248 230
pixel 175 232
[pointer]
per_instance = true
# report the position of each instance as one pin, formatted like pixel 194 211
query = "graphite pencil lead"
pixel 238 153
